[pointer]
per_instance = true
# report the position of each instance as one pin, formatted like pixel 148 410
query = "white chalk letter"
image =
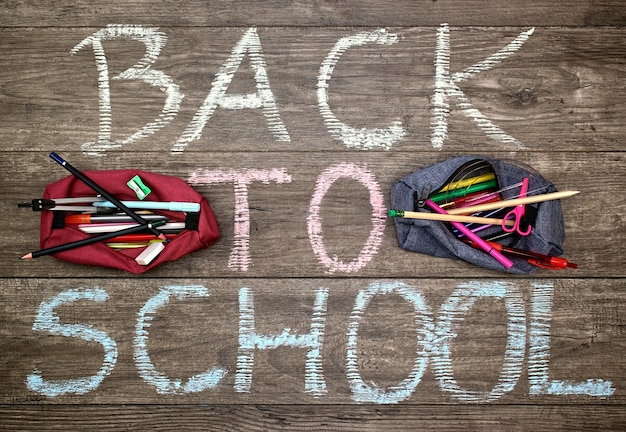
pixel 451 315
pixel 539 353
pixel 249 340
pixel 352 137
pixel 47 321
pixel 379 216
pixel 147 371
pixel 217 97
pixel 362 392
pixel 446 87
pixel 154 42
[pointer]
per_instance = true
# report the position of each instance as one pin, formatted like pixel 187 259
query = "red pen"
pixel 540 260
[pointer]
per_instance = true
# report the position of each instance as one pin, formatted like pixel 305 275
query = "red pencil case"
pixel 200 231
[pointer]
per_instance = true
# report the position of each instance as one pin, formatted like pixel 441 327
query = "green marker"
pixel 456 193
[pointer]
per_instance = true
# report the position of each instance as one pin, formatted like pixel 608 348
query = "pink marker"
pixel 474 238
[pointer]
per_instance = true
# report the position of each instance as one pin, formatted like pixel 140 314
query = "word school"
pixel 446 89
pixel 435 336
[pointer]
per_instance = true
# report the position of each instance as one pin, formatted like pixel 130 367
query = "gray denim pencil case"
pixel 440 239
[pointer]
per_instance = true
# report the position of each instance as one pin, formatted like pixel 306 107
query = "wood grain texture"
pixel 304 13
pixel 278 213
pixel 315 418
pixel 560 91
pixel 558 94
pixel 191 335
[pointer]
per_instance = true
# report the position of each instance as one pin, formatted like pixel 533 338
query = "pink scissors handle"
pixel 517 214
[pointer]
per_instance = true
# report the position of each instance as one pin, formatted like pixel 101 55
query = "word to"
pixel 434 334
pixel 446 88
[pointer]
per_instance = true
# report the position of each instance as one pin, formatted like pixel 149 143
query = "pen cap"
pixel 436 239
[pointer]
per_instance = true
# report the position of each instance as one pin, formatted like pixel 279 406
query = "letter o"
pixel 379 216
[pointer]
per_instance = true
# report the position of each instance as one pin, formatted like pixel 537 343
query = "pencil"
pixel 513 202
pixel 82 177
pixel 91 240
pixel 448 217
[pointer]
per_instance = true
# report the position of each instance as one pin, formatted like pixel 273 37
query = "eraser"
pixel 150 253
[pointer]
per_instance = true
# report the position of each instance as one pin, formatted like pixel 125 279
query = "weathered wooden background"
pixel 541 352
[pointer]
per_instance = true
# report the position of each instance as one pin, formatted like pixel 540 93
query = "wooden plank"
pixel 306 13
pixel 315 341
pixel 279 241
pixel 316 418
pixel 559 90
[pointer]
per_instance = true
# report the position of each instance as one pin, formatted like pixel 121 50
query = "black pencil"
pixel 82 177
pixel 91 240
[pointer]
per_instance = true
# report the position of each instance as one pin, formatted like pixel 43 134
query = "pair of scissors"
pixel 517 214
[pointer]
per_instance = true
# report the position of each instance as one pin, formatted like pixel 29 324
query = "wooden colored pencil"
pixel 513 202
pixel 448 217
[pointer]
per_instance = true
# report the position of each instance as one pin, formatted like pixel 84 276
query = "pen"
pixel 82 177
pixel 91 240
pixel 119 227
pixel 540 260
pixel 479 242
pixel 96 218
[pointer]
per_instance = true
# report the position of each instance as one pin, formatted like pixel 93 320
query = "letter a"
pixel 263 98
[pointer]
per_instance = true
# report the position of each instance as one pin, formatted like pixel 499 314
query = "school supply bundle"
pixel 125 219
pixel 488 212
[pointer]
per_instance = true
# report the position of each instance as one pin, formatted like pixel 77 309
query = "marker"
pixel 74 219
pixel 119 227
pixel 456 193
pixel 513 202
pixel 448 217
pixel 540 260
pixel 82 177
pixel 468 182
pixel 472 199
pixel 189 207
pixel 130 238
pixel 474 238
pixel 91 240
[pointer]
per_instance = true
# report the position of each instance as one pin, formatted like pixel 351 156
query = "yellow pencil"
pixel 512 202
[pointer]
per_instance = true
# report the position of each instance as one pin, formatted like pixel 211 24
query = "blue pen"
pixel 188 207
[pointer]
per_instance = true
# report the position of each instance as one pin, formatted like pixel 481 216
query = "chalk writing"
pixel 363 392
pixel 154 42
pixel 352 137
pixel 539 353
pixel 46 321
pixel 434 335
pixel 147 371
pixel 314 220
pixel 451 314
pixel 446 87
pixel 249 340
pixel 239 258
pixel 217 97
